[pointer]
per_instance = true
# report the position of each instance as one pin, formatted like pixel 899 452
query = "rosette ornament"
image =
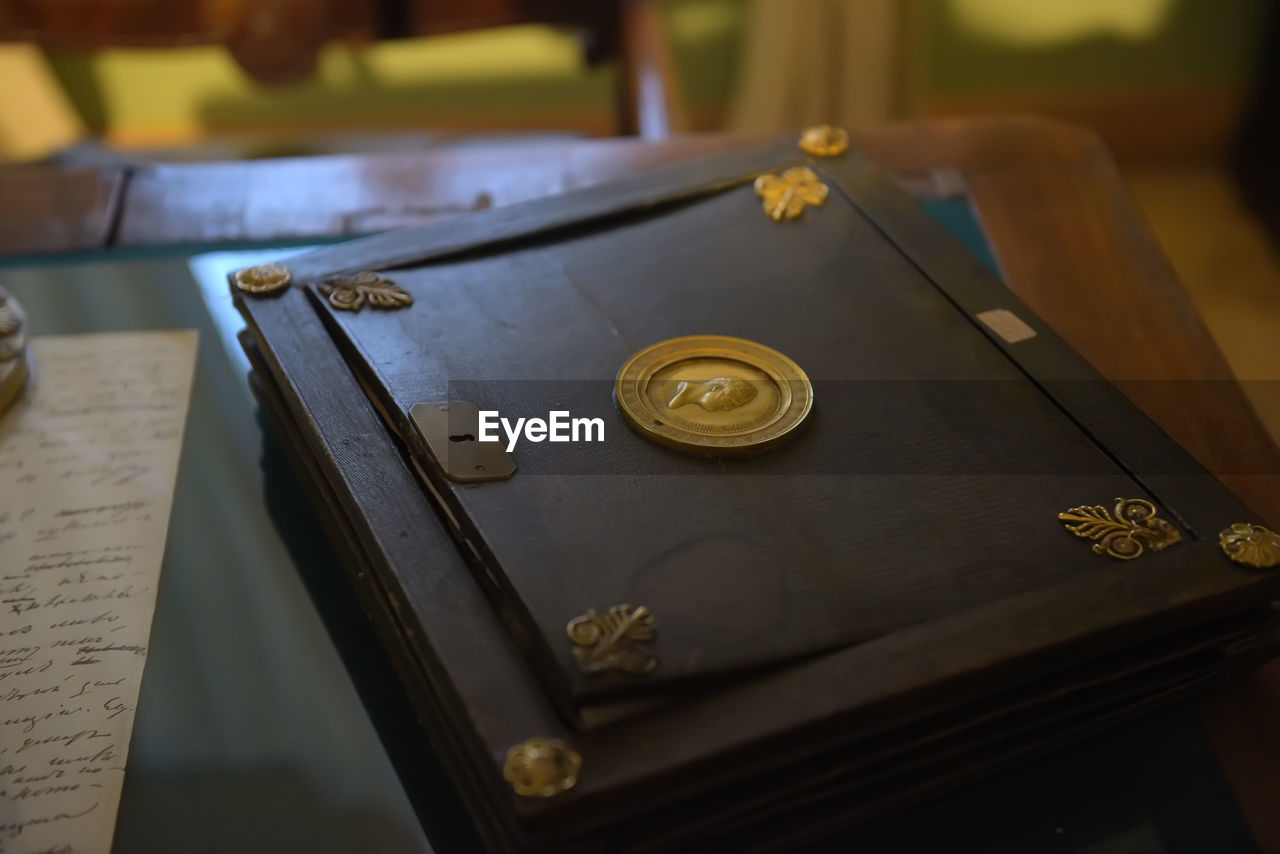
pixel 1251 545
pixel 541 767
pixel 263 279
pixel 824 141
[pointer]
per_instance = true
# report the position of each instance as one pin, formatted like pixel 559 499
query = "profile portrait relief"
pixel 714 394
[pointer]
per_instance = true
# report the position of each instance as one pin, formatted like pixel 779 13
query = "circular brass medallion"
pixel 713 394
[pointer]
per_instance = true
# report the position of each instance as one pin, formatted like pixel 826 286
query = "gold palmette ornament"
pixel 824 141
pixel 1251 545
pixel 614 641
pixel 352 293
pixel 263 279
pixel 786 195
pixel 541 767
pixel 1132 529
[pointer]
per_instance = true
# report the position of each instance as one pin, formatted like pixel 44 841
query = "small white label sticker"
pixel 1007 325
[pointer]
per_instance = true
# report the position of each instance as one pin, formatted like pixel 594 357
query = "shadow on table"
pixel 438 806
pixel 218 811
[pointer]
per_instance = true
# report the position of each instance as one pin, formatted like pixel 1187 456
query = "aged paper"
pixel 87 466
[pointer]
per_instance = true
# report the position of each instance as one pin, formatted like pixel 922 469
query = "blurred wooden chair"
pixel 277 41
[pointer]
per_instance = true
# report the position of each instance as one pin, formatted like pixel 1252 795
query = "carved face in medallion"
pixel 714 394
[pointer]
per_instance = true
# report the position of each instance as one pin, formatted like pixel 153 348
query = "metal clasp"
pixel 451 431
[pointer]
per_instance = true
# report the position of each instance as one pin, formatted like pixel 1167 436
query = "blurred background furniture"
pixel 1156 78
pixel 279 42
pixel 1253 150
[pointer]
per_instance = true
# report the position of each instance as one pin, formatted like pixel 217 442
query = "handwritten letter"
pixel 87 466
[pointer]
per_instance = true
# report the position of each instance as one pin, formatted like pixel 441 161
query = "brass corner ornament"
pixel 541 767
pixel 1134 528
pixel 618 640
pixel 263 279
pixel 1251 545
pixel 824 141
pixel 352 293
pixel 787 194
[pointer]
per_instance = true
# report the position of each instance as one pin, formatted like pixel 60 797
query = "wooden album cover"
pixel 832 519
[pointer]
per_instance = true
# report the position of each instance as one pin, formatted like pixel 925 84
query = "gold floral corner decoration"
pixel 786 195
pixel 1132 529
pixel 352 293
pixel 615 641
pixel 263 279
pixel 824 141
pixel 1251 545
pixel 541 767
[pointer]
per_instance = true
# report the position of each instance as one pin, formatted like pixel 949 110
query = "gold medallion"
pixel 713 394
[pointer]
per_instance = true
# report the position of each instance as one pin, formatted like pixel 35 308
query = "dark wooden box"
pixel 885 606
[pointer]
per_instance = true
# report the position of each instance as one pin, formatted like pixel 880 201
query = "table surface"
pixel 1052 213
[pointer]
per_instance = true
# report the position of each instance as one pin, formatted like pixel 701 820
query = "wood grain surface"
pixel 1066 236
pixel 57 210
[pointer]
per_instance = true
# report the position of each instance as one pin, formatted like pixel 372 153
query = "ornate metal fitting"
pixel 824 141
pixel 263 279
pixel 541 767
pixel 449 428
pixel 352 293
pixel 788 194
pixel 1134 527
pixel 618 640
pixel 1251 545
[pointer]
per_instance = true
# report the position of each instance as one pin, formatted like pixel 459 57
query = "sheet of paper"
pixel 88 461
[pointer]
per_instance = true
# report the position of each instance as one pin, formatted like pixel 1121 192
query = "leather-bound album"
pixel 737 502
